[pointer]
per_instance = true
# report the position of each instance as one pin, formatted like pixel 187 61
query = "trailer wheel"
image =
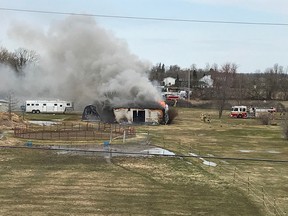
pixel 33 111
pixel 239 116
pixel 38 111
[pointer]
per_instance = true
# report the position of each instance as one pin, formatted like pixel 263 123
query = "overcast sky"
pixel 251 47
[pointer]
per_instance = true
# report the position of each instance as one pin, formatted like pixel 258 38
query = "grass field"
pixel 235 138
pixel 37 182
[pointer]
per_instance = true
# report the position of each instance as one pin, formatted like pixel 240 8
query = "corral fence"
pixel 257 192
pixel 71 131
pixel 260 194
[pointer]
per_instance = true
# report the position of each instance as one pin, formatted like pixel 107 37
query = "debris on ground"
pixel 10 120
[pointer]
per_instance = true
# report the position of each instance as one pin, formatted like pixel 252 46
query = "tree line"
pixel 18 59
pixel 228 84
pixel 272 84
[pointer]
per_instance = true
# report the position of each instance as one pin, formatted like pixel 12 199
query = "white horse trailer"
pixel 48 106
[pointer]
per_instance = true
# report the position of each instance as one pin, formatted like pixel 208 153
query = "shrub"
pixel 265 119
pixel 284 125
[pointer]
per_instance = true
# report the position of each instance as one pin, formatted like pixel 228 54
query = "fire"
pixel 162 103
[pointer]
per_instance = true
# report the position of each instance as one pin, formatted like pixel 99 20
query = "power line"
pixel 144 154
pixel 147 18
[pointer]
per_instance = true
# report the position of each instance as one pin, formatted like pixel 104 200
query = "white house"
pixel 206 81
pixel 169 81
pixel 4 105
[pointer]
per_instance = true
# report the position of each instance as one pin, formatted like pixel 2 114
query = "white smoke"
pixel 80 61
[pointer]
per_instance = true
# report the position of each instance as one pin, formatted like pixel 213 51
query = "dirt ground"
pixel 7 122
pixel 6 126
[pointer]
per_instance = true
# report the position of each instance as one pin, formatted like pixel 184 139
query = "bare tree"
pixel 157 73
pixel 11 104
pixel 222 84
pixel 271 80
pixel 283 85
pixel 18 59
pixel 4 55
pixel 239 88
pixel 22 57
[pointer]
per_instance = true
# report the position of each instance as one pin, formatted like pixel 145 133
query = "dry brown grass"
pixel 45 183
pixel 42 183
pixel 238 138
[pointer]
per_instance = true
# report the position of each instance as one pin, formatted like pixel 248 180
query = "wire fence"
pixel 228 173
pixel 76 132
pixel 254 190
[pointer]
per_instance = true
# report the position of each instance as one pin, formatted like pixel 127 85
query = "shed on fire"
pixel 136 115
pixel 141 115
pixel 131 113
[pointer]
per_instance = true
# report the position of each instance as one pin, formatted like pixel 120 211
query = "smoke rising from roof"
pixel 80 61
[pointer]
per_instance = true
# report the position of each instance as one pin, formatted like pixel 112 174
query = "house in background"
pixel 169 81
pixel 4 106
pixel 206 81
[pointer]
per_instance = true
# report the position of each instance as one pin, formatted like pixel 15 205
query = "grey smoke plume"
pixel 80 61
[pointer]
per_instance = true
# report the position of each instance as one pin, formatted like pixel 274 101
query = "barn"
pixel 131 113
pixel 138 115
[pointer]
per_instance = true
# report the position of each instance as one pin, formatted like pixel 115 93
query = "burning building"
pixel 131 113
pixel 148 113
pixel 85 63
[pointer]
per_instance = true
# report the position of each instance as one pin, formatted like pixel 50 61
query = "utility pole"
pixel 188 94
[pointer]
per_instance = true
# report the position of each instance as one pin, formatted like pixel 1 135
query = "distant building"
pixel 169 81
pixel 206 81
pixel 4 106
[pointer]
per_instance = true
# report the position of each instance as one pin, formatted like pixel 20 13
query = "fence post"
pixel 42 132
pixel 111 136
pixel 148 138
pixel 263 196
pixel 57 129
pixel 275 210
pixel 248 186
pixel 124 136
pixel 220 168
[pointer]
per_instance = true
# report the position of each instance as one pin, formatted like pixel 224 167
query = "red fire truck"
pixel 251 112
pixel 239 112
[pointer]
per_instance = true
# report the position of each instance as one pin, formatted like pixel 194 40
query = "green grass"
pixel 50 117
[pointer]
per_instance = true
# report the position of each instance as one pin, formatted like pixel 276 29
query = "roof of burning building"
pixel 139 105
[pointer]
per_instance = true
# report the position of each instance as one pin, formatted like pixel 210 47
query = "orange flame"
pixel 162 103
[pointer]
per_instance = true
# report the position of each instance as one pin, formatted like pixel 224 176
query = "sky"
pixel 182 43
